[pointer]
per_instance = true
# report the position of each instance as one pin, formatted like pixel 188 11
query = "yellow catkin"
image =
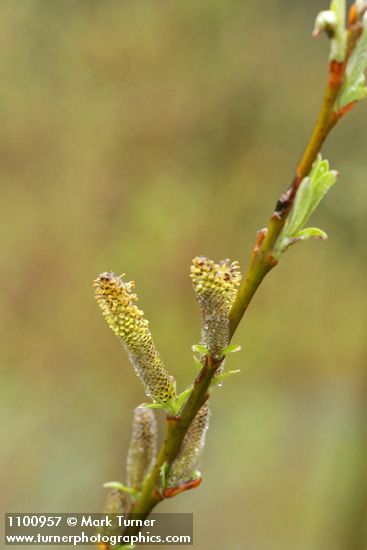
pixel 215 287
pixel 143 447
pixel 188 458
pixel 117 302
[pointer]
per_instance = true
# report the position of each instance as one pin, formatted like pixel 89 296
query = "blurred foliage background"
pixel 135 135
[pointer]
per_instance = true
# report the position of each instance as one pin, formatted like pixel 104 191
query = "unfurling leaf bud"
pixel 325 21
pixel 143 446
pixel 215 287
pixel 332 21
pixel 311 191
pixel 187 460
pixel 116 300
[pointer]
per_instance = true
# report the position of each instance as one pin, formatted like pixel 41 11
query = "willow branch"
pixel 261 262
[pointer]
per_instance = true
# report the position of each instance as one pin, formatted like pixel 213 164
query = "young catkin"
pixel 188 458
pixel 117 502
pixel 143 447
pixel 215 287
pixel 116 300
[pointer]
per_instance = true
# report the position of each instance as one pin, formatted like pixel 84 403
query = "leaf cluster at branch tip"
pixel 311 191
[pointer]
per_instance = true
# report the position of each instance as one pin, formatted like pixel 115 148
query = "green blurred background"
pixel 134 135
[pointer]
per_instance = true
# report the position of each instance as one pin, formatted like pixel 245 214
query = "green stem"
pixel 262 260
pixel 261 263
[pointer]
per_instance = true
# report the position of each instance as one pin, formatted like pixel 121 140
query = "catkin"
pixel 188 458
pixel 117 302
pixel 143 447
pixel 117 502
pixel 215 287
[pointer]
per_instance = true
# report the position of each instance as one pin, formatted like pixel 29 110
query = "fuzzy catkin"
pixel 215 287
pixel 116 300
pixel 188 458
pixel 143 447
pixel 117 502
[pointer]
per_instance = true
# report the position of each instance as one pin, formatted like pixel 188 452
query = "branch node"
pixel 174 491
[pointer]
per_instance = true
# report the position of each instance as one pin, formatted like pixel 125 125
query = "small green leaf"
pixel 170 406
pixel 305 235
pixel 311 233
pixel 197 362
pixel 353 88
pixel 310 193
pixel 120 487
pixel 180 400
pixel 301 207
pixel 217 380
pixel 233 348
pixel 199 348
pixel 357 94
pixel 153 405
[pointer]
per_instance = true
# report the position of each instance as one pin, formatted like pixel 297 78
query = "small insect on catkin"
pixel 215 287
pixel 188 458
pixel 117 302
pixel 143 447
